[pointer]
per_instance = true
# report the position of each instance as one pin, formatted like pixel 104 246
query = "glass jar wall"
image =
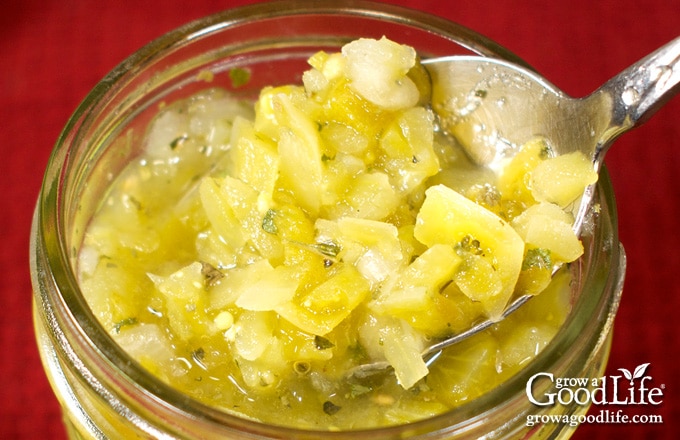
pixel 104 394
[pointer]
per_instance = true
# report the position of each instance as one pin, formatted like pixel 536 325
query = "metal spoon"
pixel 509 105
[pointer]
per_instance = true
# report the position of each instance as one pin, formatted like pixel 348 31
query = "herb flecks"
pixel 322 343
pixel 328 249
pixel 268 223
pixel 537 258
pixel 124 323
pixel 357 390
pixel 132 200
pixel 330 408
pixel 468 245
pixel 211 273
pixel 239 76
pixel 178 141
pixel 545 151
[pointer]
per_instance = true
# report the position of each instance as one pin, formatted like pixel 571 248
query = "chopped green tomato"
pixel 546 226
pixel 488 272
pixel 185 300
pixel 253 160
pixel 414 294
pixel 327 305
pixel 562 179
pixel 537 271
pixel 256 253
pixel 513 181
pixel 408 145
pixel 273 288
pixel 243 200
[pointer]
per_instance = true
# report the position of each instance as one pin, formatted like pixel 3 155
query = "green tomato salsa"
pixel 254 254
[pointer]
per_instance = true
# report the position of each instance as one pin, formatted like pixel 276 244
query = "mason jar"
pixel 103 392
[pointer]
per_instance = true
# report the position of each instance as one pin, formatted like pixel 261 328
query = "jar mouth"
pixel 61 215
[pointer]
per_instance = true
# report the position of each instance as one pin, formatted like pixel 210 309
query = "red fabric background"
pixel 52 52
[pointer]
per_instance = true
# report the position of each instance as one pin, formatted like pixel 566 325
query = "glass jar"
pixel 104 394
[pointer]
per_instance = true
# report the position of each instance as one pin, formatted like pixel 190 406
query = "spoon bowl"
pixel 507 105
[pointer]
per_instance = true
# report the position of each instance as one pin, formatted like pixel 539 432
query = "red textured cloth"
pixel 52 52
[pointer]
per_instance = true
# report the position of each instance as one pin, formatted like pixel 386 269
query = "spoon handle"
pixel 643 88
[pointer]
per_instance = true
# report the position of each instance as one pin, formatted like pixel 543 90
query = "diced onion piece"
pixel 377 70
pixel 392 339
